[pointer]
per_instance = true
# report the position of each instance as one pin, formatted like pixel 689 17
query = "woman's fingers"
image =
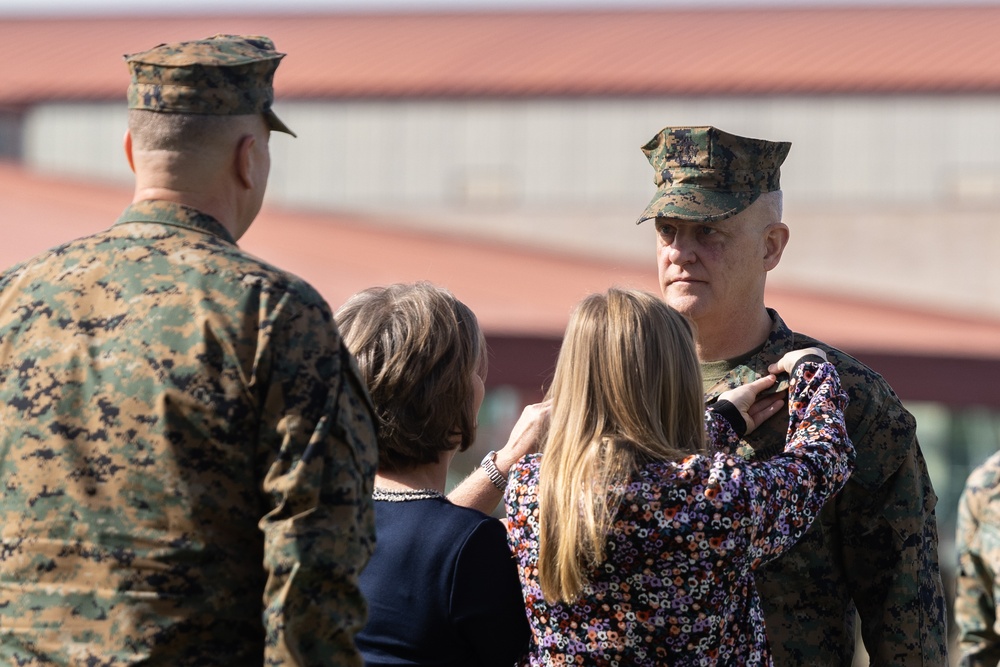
pixel 762 410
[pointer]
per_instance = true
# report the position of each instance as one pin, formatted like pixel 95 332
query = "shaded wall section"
pixel 955 382
pixel 11 135
pixel 525 363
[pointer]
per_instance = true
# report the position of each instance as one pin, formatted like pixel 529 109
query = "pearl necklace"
pixel 404 495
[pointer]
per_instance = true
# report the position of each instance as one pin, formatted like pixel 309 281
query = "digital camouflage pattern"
pixel 978 588
pixel 705 174
pixel 187 455
pixel 873 547
pixel 225 75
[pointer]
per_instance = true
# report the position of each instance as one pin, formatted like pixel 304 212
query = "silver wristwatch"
pixel 489 466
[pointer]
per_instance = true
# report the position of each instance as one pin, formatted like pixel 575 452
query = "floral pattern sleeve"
pixel 719 433
pixel 677 584
pixel 788 490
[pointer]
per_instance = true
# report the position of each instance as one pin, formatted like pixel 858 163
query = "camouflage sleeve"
pixel 316 458
pixel 890 541
pixel 978 545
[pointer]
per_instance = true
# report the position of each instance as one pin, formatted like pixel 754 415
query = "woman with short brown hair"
pixel 441 585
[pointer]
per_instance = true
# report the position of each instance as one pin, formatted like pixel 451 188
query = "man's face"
pixel 711 271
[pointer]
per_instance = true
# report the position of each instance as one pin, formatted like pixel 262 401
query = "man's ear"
pixel 775 240
pixel 244 160
pixel 127 143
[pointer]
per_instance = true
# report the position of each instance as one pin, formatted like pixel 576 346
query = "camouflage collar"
pixel 179 215
pixel 778 342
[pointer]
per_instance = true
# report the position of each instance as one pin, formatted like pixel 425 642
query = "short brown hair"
pixel 417 347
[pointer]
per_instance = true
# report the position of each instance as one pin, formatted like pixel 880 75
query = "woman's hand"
pixel 787 362
pixel 477 490
pixel 754 410
pixel 526 437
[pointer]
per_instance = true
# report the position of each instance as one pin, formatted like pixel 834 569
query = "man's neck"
pixel 207 205
pixel 732 338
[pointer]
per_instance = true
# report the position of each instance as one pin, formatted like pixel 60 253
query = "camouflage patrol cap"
pixel 224 75
pixel 704 174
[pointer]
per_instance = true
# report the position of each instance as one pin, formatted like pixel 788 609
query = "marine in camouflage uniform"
pixel 186 449
pixel 977 594
pixel 874 547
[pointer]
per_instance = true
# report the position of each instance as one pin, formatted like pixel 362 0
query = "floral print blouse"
pixel 677 585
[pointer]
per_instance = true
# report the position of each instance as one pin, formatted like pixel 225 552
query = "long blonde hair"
pixel 627 390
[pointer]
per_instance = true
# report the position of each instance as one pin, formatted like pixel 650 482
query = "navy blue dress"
pixel 442 589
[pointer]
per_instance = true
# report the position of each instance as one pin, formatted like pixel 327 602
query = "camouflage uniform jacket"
pixel 978 590
pixel 874 547
pixel 187 455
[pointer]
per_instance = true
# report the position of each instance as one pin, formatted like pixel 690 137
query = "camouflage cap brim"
pixel 275 123
pixel 696 204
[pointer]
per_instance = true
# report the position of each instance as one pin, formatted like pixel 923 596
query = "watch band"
pixel 489 466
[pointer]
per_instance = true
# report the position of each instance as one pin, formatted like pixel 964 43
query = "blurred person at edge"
pixel 442 587
pixel 636 535
pixel 977 593
pixel 187 450
pixel 718 221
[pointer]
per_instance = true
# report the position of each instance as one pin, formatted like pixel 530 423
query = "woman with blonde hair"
pixel 441 585
pixel 636 544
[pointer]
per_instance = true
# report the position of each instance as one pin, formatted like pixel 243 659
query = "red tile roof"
pixel 928 49
pixel 515 291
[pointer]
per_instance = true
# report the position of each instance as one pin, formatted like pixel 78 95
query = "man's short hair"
pixel 176 132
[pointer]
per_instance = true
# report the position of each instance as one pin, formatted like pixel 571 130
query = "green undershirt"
pixel 713 372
